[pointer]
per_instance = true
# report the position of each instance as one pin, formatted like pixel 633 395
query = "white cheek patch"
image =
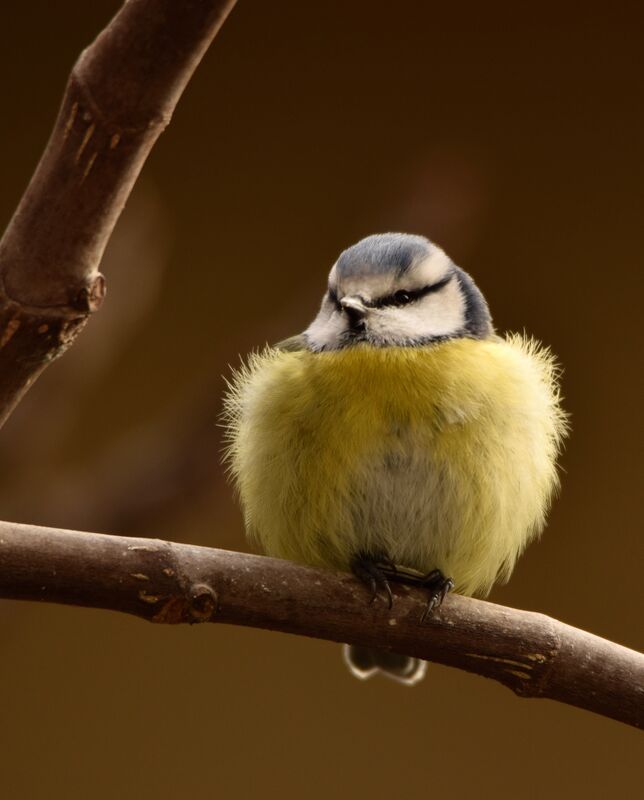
pixel 435 315
pixel 326 329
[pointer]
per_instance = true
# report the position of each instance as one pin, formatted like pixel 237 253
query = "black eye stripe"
pixel 397 299
pixel 400 298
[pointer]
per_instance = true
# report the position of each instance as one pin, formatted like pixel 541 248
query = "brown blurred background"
pixel 513 137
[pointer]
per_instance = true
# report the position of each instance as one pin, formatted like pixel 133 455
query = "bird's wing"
pixel 293 344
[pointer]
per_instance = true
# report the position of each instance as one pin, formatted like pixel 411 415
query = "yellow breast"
pixel 440 456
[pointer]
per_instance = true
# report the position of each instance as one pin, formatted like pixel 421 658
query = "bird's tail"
pixel 363 662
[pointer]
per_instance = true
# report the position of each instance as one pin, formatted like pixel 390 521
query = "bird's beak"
pixel 354 306
pixel 356 311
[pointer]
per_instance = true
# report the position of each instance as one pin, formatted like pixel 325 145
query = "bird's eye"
pixel 401 298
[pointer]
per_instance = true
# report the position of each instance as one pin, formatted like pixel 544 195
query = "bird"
pixel 398 437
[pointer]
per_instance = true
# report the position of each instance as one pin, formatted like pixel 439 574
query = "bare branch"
pixel 120 96
pixel 532 654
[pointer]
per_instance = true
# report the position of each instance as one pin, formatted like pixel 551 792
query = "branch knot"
pixel 203 602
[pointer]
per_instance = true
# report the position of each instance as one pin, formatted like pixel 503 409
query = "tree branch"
pixel 120 96
pixel 532 654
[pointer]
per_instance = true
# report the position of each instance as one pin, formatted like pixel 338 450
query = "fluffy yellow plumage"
pixel 441 456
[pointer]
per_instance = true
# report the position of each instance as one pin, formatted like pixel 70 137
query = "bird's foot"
pixel 437 584
pixel 370 570
pixel 376 571
pixel 439 587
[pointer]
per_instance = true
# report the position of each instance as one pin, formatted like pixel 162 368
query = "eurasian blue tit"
pixel 398 436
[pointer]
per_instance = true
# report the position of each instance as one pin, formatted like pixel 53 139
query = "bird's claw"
pixel 369 571
pixel 438 590
pixel 377 571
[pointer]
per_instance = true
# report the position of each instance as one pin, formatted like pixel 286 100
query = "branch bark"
pixel 164 582
pixel 120 96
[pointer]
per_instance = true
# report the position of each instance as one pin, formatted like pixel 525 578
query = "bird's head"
pixel 394 289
